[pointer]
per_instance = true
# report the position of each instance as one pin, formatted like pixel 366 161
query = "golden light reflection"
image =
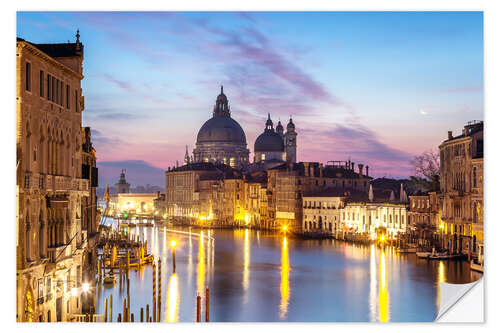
pixel 373 284
pixel 246 263
pixel 285 283
pixel 173 299
pixel 201 267
pixel 383 297
pixel 441 278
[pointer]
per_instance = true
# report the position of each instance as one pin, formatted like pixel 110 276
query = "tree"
pixel 426 167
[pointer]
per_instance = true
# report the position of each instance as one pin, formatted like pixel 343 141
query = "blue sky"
pixel 376 87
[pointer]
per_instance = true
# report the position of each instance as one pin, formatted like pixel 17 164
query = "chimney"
pixel 311 170
pixel 158 194
pixel 450 135
pixel 306 169
pixel 321 170
pixel 352 166
pixel 360 167
pixel 367 171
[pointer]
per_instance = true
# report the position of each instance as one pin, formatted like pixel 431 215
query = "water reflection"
pixel 173 299
pixel 246 263
pixel 201 266
pixel 441 278
pixel 373 284
pixel 338 281
pixel 285 284
pixel 383 297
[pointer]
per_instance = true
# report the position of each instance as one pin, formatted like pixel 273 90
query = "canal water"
pixel 256 276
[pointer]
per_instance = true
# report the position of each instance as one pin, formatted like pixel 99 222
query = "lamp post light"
pixel 173 244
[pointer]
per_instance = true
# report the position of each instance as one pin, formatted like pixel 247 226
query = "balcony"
pixel 56 252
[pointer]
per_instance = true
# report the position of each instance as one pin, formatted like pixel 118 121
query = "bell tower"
pixel 291 142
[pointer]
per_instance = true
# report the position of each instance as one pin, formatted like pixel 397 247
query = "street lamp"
pixel 173 244
pixel 85 287
pixel 74 291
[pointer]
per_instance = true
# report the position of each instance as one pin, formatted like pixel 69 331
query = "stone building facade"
pixel 460 157
pixel 289 182
pixel 369 217
pixel 322 213
pixel 55 213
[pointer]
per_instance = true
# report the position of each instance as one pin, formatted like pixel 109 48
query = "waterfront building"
pixel 288 183
pixel 461 199
pixel 221 138
pixel 424 216
pixel 372 217
pixel 321 212
pixel 138 204
pixel 56 181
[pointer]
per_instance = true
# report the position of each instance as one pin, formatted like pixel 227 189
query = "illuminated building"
pixel 56 181
pixel 321 212
pixel 289 182
pixel 461 184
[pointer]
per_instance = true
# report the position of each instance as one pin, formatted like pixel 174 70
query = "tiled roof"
pixel 58 50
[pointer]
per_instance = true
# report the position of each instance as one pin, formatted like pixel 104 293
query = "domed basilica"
pixel 222 140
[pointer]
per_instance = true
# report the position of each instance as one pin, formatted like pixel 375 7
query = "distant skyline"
pixel 375 87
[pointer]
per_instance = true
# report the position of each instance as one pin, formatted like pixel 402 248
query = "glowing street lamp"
pixel 85 287
pixel 173 244
pixel 74 291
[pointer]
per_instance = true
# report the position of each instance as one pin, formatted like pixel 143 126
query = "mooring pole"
pixel 207 298
pixel 198 308
pixel 158 303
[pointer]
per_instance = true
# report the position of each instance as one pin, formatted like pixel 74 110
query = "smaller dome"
pixel 269 141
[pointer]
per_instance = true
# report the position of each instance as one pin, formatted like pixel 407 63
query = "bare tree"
pixel 426 167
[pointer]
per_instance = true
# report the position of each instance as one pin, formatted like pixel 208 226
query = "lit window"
pixel 263 157
pixel 232 162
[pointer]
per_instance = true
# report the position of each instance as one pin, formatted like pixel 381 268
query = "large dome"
pixel 269 141
pixel 220 129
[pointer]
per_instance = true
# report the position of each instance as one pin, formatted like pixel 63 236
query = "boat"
pixel 478 264
pixel 109 279
pixel 407 250
pixel 423 254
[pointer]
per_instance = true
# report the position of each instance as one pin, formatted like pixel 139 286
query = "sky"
pixel 377 88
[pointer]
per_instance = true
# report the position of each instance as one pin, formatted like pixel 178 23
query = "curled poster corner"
pixel 462 302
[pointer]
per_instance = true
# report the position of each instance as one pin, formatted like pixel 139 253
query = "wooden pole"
pixel 132 318
pixel 142 314
pixel 159 291
pixel 119 318
pixel 154 292
pixel 207 298
pixel 124 310
pixel 147 312
pixel 111 307
pixel 198 308
pixel 105 310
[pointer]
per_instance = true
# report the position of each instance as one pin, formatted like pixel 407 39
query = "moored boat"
pixel 109 279
pixel 423 254
pixel 407 250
